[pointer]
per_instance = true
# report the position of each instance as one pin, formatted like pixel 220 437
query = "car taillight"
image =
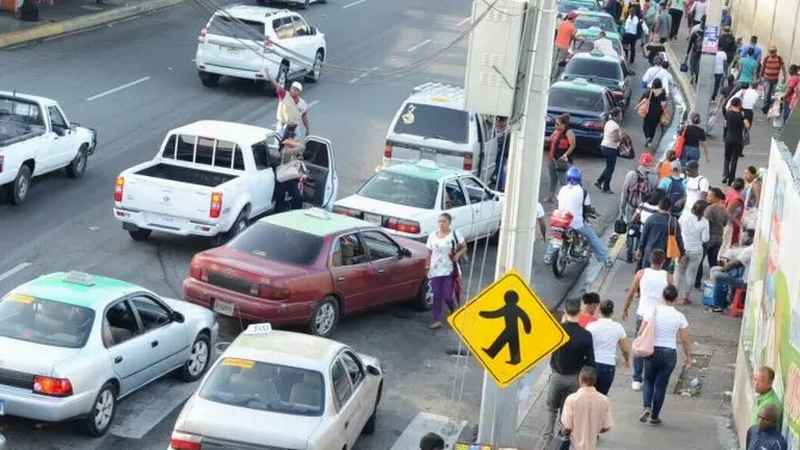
pixel 273 291
pixel 56 387
pixel 216 205
pixel 197 272
pixel 185 441
pixel 403 226
pixel 346 211
pixel 118 187
pixel 593 125
pixel 387 151
pixel 203 35
pixel 467 162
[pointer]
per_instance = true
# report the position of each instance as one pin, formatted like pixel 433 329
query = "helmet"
pixel 646 160
pixel 574 175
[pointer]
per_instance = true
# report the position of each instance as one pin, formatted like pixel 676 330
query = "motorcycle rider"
pixel 574 198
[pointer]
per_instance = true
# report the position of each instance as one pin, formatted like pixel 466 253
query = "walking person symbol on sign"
pixel 510 335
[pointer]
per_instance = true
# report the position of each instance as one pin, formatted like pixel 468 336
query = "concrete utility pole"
pixel 705 79
pixel 499 406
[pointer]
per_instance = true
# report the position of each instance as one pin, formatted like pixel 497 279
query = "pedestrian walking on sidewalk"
pixel 656 232
pixel 565 363
pixel 766 434
pixel 698 11
pixel 666 165
pixel 727 44
pixel 744 49
pixel 447 247
pixel 694 51
pixel 562 144
pixel 590 304
pixel 637 186
pixel 717 218
pixel 791 93
pixel 607 336
pixel 735 127
pixel 675 189
pixel 720 67
pixel 695 234
pixel 748 68
pixel 648 284
pixel 431 441
pixel 772 68
pixel 633 31
pixel 694 141
pixel 609 146
pixel 763 378
pixel 669 325
pixel 657 101
pixel 676 12
pixel 749 96
pixel 587 413
pixel 640 216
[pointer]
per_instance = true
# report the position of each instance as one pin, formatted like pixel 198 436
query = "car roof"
pixel 252 12
pixel 579 84
pixel 423 170
pixel 316 221
pixel 286 348
pixel 594 56
pixel 58 287
pixel 238 133
pixel 590 12
pixel 27 97
pixel 438 94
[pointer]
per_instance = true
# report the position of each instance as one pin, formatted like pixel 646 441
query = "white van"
pixel 432 124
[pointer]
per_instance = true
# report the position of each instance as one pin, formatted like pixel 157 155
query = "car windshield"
pixel 265 387
pixel 575 100
pixel 278 243
pixel 593 69
pixel 605 23
pixel 428 121
pixel 44 321
pixel 401 189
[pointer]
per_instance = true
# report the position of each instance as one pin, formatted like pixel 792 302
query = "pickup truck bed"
pixel 186 175
pixel 12 131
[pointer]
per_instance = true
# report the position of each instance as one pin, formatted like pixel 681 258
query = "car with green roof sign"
pixel 585 37
pixel 308 267
pixel 407 200
pixel 587 18
pixel 588 106
pixel 77 343
pixel 601 69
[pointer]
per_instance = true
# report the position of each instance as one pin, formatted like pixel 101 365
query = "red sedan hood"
pixel 225 257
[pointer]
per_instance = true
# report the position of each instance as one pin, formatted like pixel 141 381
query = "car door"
pixel 321 183
pixel 485 216
pixel 397 277
pixel 454 202
pixel 354 278
pixel 305 41
pixel 284 33
pixel 167 341
pixel 64 146
pixel 347 406
pixel 261 182
pixel 364 394
pixel 126 346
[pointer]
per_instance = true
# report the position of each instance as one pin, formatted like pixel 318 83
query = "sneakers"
pixel 645 415
pixel 637 386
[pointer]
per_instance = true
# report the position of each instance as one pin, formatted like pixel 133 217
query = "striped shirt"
pixel 771 67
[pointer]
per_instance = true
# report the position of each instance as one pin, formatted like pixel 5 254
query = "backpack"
pixel 676 193
pixel 638 191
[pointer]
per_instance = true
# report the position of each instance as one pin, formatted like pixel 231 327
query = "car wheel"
pixel 78 165
pixel 316 69
pixel 424 299
pixel 140 235
pixel 22 184
pixel 99 419
pixel 199 357
pixel 369 427
pixel 209 79
pixel 325 317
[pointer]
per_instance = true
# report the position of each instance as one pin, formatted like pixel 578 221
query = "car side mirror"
pixel 372 370
pixel 178 317
pixel 60 131
pixel 405 253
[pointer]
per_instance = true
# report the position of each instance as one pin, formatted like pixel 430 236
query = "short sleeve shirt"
pixel 441 264
pixel 571 198
pixel 734 131
pixel 668 321
pixel 606 335
pixel 694 136
pixel 290 112
pixel 566 32
pixel 747 71
pixel 610 134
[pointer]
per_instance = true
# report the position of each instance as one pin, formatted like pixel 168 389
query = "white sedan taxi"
pixel 408 198
pixel 282 390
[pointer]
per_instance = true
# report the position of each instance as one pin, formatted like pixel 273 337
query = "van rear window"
pixel 236 28
pixel 428 121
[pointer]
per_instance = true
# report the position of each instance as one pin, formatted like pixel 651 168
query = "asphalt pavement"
pixel 68 225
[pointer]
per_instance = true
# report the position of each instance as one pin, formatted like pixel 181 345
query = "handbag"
pixel 620 227
pixel 685 64
pixel 680 141
pixel 291 170
pixel 673 249
pixel 644 344
pixel 665 118
pixel 625 149
pixel 643 107
pixel 561 165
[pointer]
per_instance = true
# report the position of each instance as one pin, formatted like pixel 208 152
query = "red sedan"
pixel 308 266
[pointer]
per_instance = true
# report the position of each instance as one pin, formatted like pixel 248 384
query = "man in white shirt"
pixel 749 97
pixel 291 109
pixel 661 71
pixel 697 186
pixel 733 274
pixel 607 336
pixel 720 61
pixel 604 45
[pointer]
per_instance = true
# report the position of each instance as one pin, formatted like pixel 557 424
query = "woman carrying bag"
pixel 651 108
pixel 447 247
pixel 289 175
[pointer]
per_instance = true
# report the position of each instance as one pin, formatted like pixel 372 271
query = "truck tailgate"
pixel 166 197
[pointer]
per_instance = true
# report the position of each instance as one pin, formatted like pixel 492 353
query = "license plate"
pixel 224 308
pixel 2 408
pixel 372 218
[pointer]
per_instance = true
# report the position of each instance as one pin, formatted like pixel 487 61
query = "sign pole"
pixel 515 250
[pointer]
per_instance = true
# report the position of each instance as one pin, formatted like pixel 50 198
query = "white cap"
pixel 298 86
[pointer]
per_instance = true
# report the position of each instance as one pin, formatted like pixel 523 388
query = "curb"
pixel 686 87
pixel 83 22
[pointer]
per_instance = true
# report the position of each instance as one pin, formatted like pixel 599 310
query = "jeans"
pixel 770 89
pixel 733 151
pixel 690 153
pixel 657 370
pixel 559 387
pixel 557 177
pixel 605 377
pixel 687 270
pixel 638 363
pixel 724 284
pixel 598 247
pixel 442 289
pixel 611 161
pixel 717 83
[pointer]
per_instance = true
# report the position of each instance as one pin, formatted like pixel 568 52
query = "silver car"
pixel 73 344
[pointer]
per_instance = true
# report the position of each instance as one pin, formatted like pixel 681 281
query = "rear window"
pixel 236 28
pixel 573 99
pixel 401 189
pixel 605 23
pixel 593 68
pixel 265 387
pixel 429 121
pixel 44 321
pixel 278 243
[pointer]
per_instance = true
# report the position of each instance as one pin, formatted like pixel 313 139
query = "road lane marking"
pixel 360 77
pixel 467 19
pixel 14 270
pixel 357 2
pixel 420 45
pixel 118 88
pixel 427 423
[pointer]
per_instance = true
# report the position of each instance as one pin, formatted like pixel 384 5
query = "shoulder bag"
pixel 673 249
pixel 680 142
pixel 290 168
pixel 643 107
pixel 644 344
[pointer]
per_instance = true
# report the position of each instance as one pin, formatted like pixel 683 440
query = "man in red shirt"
pixel 772 67
pixel 591 302
pixel 792 93
pixel 564 37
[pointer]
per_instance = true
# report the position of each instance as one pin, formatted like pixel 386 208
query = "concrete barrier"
pixel 83 22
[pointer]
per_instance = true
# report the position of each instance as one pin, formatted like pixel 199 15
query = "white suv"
pixel 242 41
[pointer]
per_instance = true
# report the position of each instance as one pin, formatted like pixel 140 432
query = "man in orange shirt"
pixel 564 37
pixel 591 301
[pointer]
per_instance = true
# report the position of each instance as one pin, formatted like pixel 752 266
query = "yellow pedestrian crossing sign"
pixel 508 329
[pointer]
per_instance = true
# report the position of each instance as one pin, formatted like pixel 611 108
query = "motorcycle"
pixel 569 246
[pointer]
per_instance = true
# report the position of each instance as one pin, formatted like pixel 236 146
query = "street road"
pixel 135 80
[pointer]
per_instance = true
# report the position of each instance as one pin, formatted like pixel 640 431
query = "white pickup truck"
pixel 36 138
pixel 211 178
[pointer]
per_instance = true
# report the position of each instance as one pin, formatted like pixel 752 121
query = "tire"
pixel 238 226
pixel 324 317
pixel 424 299
pixel 316 70
pixel 559 263
pixel 209 79
pixel 77 167
pixel 198 361
pixel 99 419
pixel 369 427
pixel 18 191
pixel 140 235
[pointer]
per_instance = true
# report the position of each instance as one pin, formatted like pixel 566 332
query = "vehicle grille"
pixel 226 282
pixel 220 444
pixel 16 379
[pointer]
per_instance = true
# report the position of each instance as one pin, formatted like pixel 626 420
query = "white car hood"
pixel 29 357
pixel 369 205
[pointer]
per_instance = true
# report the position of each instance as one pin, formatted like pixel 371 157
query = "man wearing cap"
pixel 564 38
pixel 638 184
pixel 291 109
pixel 772 67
